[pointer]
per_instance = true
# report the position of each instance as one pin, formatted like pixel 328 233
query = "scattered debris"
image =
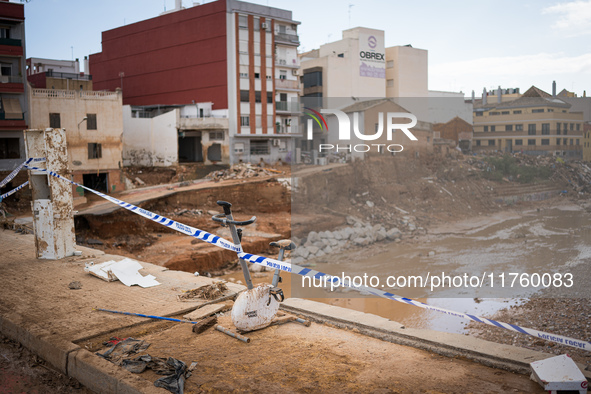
pixel 75 285
pixel 204 324
pixel 242 171
pixel 124 348
pixel 232 334
pixel 126 270
pixel 205 311
pixel 175 371
pixel 207 292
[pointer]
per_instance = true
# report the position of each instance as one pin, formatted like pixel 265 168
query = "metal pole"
pixel 232 334
pixel 236 238
pixel 276 275
pixel 148 316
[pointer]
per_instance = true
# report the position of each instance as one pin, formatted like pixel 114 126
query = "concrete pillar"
pixel 52 205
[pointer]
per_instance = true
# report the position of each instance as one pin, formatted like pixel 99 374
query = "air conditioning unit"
pixel 295 72
pixel 264 25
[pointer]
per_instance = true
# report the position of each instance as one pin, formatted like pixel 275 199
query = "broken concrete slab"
pixel 204 311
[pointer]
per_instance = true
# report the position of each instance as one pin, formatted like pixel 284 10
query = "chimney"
pixel 499 95
pixel 178 4
pixel 484 96
pixel 473 96
pixel 77 66
pixel 86 70
pixel 553 88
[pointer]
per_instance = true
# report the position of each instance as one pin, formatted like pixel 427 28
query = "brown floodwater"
pixel 550 241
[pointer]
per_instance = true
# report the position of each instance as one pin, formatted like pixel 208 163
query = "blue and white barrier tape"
pixel 295 269
pixel 2 197
pixel 11 176
pixel 182 228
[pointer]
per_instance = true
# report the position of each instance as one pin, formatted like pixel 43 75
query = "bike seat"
pixel 285 244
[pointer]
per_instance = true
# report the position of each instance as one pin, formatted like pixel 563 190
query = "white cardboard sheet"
pixel 126 270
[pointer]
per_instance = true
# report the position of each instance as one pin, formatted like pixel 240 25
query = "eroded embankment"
pixel 125 233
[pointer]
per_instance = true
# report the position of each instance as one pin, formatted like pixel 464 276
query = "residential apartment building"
pixel 239 56
pixel 13 99
pixel 94 128
pixel 536 123
pixel 587 141
pixel 58 74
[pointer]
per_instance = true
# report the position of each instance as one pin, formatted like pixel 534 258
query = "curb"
pixel 507 357
pixel 95 373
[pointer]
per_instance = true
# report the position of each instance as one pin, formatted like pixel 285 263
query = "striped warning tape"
pixel 295 269
pixel 11 176
pixel 182 228
pixel 2 197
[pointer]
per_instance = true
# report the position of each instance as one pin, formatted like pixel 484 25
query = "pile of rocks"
pixel 357 234
pixel 242 171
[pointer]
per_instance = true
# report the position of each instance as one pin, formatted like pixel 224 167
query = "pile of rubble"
pixel 577 174
pixel 358 233
pixel 242 171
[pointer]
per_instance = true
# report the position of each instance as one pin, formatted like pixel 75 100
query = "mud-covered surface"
pixel 319 358
pixel 23 372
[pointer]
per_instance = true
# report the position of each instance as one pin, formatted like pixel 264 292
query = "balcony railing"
pixel 3 116
pixel 11 79
pixel 71 94
pixel 286 62
pixel 287 38
pixel 53 74
pixel 287 106
pixel 286 84
pixel 11 41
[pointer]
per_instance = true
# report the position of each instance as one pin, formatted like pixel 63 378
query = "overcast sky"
pixel 471 44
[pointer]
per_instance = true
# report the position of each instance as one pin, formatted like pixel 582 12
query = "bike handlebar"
pixel 221 218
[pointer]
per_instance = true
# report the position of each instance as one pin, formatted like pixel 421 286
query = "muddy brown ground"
pixel 294 358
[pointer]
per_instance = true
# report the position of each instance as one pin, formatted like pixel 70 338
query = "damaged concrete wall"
pixel 103 127
pixel 150 142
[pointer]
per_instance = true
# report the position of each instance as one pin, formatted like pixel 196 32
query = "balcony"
pixel 286 106
pixel 11 42
pixel 78 77
pixel 284 38
pixel 292 63
pixel 286 84
pixel 11 84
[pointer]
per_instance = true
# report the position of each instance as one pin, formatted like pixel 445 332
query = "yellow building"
pixel 587 141
pixel 536 123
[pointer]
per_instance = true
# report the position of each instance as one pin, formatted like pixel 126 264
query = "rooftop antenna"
pixel 72 48
pixel 350 6
pixel 164 2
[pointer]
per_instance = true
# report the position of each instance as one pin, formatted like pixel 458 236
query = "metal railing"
pixel 291 38
pixel 11 41
pixel 71 94
pixel 79 77
pixel 287 106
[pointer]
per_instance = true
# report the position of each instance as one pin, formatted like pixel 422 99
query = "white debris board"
pixel 559 373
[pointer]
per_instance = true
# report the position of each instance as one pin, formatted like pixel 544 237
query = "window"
pixel 243 22
pixel 531 129
pixel 518 142
pixel 572 126
pixel 491 142
pixel 509 127
pixel 558 128
pixel 557 141
pixel 390 83
pixel 95 151
pixel 259 147
pixel 545 128
pixel 537 110
pixel 244 96
pixel 485 128
pixel 565 129
pixel 257 76
pixel 257 96
pixel 282 146
pixel 477 142
pixel 257 24
pixel 239 147
pixel 390 64
pixel 492 128
pixel 577 142
pixel 518 127
pixel 578 126
pixel 478 113
pixel 494 113
pixel 243 75
pixel 504 112
pixel 269 97
pixel 216 135
pixel 245 121
pixel 545 141
pixel 531 142
pixel 282 29
pixel 54 121
pixel 312 79
pixel 571 141
pixel 564 141
pixel 282 75
pixel 341 55
pixel 5 69
pixel 4 32
pixel 10 148
pixel 517 112
pixel 91 122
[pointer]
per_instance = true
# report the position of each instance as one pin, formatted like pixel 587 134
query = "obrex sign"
pixel 371 55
